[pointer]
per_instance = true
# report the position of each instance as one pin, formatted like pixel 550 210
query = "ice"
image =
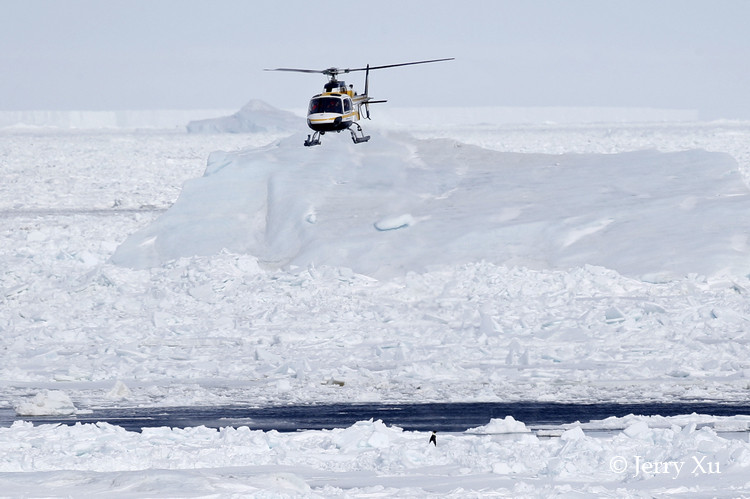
pixel 87 120
pixel 354 461
pixel 255 116
pixel 119 391
pixel 506 425
pixel 638 429
pixel 394 223
pixel 614 211
pixel 47 403
pixel 560 262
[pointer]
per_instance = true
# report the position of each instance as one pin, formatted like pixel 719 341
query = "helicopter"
pixel 339 107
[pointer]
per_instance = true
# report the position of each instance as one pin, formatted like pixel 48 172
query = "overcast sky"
pixel 191 54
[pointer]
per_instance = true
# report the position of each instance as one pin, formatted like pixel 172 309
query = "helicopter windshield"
pixel 325 105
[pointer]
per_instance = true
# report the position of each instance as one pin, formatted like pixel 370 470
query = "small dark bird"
pixel 433 438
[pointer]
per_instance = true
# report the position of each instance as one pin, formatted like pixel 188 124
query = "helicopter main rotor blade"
pixel 338 71
pixel 396 65
pixel 299 70
pixel 328 71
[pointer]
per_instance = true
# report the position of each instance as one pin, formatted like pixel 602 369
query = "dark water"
pixel 453 417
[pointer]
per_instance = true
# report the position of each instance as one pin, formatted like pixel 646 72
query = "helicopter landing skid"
pixel 361 138
pixel 314 141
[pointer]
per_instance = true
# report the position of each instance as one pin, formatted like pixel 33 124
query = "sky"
pixel 210 54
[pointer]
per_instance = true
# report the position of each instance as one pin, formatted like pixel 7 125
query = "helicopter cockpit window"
pixel 347 105
pixel 325 105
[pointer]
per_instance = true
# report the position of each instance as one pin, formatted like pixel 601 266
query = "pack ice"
pixel 401 270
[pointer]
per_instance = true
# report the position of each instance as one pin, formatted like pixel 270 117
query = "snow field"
pixel 474 332
pixel 371 459
pixel 302 322
pixel 49 171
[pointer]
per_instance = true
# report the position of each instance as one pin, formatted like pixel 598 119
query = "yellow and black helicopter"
pixel 339 107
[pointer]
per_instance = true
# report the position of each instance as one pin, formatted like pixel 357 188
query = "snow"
pixel 572 262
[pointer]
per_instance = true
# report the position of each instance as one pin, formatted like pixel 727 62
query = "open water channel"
pixel 449 417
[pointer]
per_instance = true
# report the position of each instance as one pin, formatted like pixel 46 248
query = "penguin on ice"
pixel 433 438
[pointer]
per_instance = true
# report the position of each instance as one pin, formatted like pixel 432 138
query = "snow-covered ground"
pixel 489 262
pixel 647 458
